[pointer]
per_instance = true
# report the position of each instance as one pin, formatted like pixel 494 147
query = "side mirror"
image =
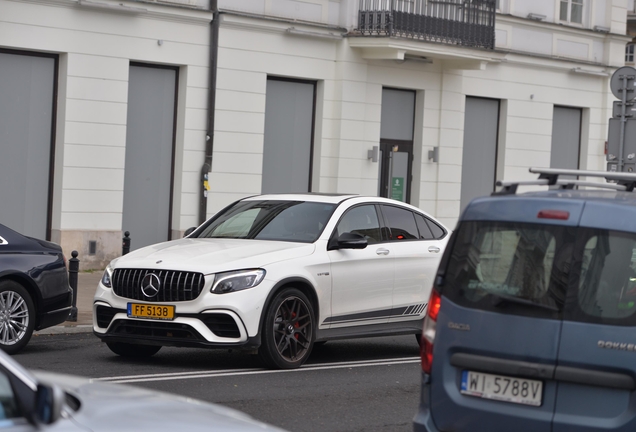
pixel 189 231
pixel 352 241
pixel 49 401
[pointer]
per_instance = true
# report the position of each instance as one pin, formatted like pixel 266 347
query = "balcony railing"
pixel 468 23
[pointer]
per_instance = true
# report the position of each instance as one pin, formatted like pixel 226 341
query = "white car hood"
pixel 213 255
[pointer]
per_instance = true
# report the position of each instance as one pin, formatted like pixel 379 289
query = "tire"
pixel 133 350
pixel 17 316
pixel 287 330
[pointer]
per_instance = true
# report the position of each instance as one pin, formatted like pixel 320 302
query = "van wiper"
pixel 499 299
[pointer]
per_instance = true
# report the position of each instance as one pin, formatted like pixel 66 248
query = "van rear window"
pixel 606 270
pixel 510 267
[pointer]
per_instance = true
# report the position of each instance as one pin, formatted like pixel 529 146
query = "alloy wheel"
pixel 14 317
pixel 293 329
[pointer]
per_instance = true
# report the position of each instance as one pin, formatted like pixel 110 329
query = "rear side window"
pixel 401 223
pixel 606 282
pixel 437 230
pixel 422 226
pixel 510 267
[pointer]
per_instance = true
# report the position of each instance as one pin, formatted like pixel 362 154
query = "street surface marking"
pixel 241 372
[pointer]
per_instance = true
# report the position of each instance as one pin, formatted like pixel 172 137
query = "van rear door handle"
pixel 502 366
pixel 594 378
pixel 382 251
pixel 543 371
pixel 433 249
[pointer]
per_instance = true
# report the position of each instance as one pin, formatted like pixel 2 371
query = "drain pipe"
pixel 209 138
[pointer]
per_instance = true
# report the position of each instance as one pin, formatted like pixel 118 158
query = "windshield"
pixel 295 221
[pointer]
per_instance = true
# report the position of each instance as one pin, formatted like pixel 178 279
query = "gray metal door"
pixel 149 154
pixel 479 160
pixel 289 131
pixel 27 98
pixel 566 138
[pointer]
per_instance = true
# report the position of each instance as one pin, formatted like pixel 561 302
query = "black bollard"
pixel 73 269
pixel 126 243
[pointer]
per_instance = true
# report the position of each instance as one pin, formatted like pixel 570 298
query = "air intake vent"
pixel 157 285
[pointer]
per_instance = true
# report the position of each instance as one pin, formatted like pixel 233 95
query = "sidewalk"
pixel 86 285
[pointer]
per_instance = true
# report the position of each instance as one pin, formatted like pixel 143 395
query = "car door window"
pixel 401 223
pixel 361 220
pixel 422 226
pixel 8 404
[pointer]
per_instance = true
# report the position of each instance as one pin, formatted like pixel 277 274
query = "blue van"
pixel 531 324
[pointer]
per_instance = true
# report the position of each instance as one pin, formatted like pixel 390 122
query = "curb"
pixel 82 328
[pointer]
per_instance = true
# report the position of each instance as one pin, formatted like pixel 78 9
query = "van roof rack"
pixel 621 181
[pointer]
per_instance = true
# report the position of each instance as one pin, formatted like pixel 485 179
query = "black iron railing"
pixel 460 22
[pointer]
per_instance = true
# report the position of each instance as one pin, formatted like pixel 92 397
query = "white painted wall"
pixel 96 47
pixel 531 72
pixel 316 11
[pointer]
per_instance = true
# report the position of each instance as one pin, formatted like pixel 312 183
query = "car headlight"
pixel 236 280
pixel 106 277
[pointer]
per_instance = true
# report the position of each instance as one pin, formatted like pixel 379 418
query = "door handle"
pixel 502 366
pixel 434 249
pixel 382 251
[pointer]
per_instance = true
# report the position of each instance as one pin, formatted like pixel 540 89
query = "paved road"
pixel 368 385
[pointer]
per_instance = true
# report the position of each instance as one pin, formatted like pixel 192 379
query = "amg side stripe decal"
pixel 413 310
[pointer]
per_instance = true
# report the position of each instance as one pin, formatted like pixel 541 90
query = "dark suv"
pixel 532 318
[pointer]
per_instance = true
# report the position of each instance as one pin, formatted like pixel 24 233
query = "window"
pixel 515 268
pixel 429 230
pixel 401 223
pixel 422 226
pixel 438 231
pixel 571 11
pixel 607 283
pixel 8 403
pixel 271 220
pixel 629 53
pixel 361 220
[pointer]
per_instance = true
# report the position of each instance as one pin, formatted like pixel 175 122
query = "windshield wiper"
pixel 499 299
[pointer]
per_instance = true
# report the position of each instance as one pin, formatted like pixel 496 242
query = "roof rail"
pixel 621 181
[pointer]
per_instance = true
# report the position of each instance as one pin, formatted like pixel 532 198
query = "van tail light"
pixel 428 332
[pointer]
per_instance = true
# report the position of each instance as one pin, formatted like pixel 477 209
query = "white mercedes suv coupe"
pixel 276 273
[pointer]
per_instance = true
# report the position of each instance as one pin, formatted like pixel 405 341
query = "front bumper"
pixel 210 320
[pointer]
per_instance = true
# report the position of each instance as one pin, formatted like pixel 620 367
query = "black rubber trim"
pixel 502 367
pixel 595 378
pixel 250 344
pixel 569 374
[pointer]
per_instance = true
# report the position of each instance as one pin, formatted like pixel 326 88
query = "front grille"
pixel 104 315
pixel 154 329
pixel 221 325
pixel 174 286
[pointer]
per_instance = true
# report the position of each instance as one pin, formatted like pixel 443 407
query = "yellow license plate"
pixel 139 310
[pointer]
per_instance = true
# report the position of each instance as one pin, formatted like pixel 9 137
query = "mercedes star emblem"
pixel 150 285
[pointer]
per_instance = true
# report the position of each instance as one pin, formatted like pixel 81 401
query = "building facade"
pixel 111 128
